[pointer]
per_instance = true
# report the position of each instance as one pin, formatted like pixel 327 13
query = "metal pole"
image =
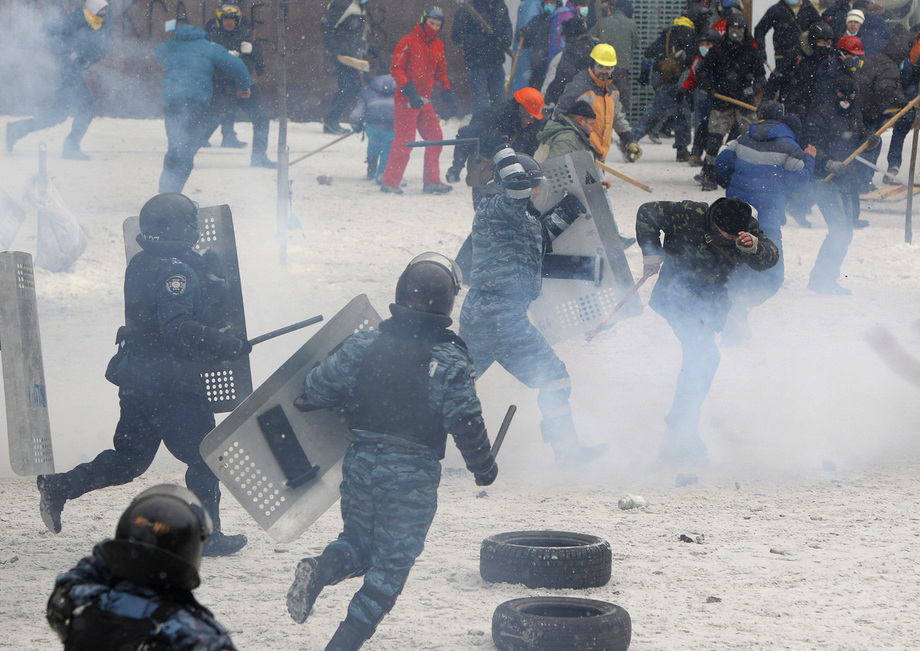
pixel 283 193
pixel 908 218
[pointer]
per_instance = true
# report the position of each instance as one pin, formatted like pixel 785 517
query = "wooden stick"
pixel 625 177
pixel 319 149
pixel 897 116
pixel 616 308
pixel 514 62
pixel 352 62
pixel 736 102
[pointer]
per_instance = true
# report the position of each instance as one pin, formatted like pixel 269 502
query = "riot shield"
pixel 27 422
pixel 283 465
pixel 228 383
pixel 572 305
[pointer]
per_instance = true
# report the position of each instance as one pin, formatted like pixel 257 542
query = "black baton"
pixel 285 330
pixel 500 437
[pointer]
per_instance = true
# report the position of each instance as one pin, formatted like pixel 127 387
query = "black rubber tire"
pixel 560 624
pixel 545 559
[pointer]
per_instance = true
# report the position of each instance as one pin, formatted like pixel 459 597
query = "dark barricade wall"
pixel 127 82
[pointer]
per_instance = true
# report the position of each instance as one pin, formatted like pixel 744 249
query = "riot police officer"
pixel 170 297
pixel 135 591
pixel 404 386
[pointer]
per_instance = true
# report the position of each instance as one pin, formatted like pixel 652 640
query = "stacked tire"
pixel 553 559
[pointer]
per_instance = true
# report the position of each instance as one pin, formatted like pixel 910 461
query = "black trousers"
pixel 224 104
pixel 184 131
pixel 350 84
pixel 71 97
pixel 179 420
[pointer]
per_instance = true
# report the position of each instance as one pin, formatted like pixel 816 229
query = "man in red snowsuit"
pixel 418 63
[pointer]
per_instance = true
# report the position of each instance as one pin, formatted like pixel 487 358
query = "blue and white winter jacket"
pixel 761 166
pixel 189 61
pixel 376 106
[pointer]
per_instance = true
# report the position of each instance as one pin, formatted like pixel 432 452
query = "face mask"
pixel 583 12
pixel 430 31
pixel 844 105
pixel 793 2
pixel 704 50
pixel 736 35
pixel 548 9
pixel 94 21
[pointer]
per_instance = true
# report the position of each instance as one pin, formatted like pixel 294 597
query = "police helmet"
pixel 517 173
pixel 159 538
pixel 430 283
pixel 819 31
pixel 170 217
pixel 735 20
pixel 731 215
pixel 229 10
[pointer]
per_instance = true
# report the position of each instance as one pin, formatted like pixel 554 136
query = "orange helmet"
pixel 851 45
pixel 531 100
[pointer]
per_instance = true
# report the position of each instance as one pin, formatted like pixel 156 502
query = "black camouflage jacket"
pixel 695 267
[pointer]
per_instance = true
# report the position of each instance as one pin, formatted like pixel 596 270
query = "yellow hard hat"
pixel 604 54
pixel 683 21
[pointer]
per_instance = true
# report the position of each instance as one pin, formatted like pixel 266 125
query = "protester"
pixel 484 42
pixel 618 30
pixel 344 31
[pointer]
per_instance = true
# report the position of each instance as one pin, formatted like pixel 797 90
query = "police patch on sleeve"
pixel 175 285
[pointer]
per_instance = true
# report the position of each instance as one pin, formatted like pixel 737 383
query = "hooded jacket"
pixel 732 68
pixel 344 28
pixel 494 126
pixel 375 106
pixel 836 133
pixel 575 57
pixel 75 43
pixel 419 59
pixel 604 98
pixel 878 81
pixel 480 48
pixel 189 61
pixel 761 166
pixel 562 136
pixel 787 26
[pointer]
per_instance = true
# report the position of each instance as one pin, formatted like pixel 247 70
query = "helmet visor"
pixel 187 496
pixel 443 261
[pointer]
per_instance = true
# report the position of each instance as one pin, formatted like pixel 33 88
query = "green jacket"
pixel 695 267
pixel 562 136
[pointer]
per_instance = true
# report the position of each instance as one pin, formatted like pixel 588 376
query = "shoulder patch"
pixel 175 285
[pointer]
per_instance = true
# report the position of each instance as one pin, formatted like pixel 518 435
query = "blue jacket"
pixel 874 34
pixel 75 44
pixel 189 61
pixel 761 166
pixel 93 608
pixel 375 105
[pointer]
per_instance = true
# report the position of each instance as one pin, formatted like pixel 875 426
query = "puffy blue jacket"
pixel 189 61
pixel 375 105
pixel 761 166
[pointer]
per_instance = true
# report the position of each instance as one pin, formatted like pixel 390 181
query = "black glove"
pixel 645 77
pixel 486 478
pixel 245 347
pixel 416 101
pixel 453 174
pixel 572 208
pixel 836 167
pixel 357 127
pixel 448 97
pixel 681 94
pixel 872 142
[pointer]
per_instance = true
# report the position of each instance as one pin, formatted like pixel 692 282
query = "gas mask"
pixel 735 34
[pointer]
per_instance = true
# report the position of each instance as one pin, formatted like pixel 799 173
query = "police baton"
pixel 285 330
pixel 500 437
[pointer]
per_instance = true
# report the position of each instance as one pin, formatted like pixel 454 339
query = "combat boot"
pixel 350 636
pixel 232 142
pixel 261 160
pixel 392 189
pixel 559 432
pixel 708 177
pixel 683 155
pixel 695 161
pixel 72 150
pixel 53 493
pixel 311 576
pixel 220 544
pixel 436 188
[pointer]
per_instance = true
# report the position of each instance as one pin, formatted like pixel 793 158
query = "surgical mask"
pixel 844 105
pixel 583 12
pixel 704 50
pixel 793 2
pixel 548 9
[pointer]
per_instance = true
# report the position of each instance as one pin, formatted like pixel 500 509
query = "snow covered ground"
pixel 809 512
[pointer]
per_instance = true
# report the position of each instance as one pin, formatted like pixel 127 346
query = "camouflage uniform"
pixel 508 248
pixel 94 610
pixel 691 293
pixel 389 490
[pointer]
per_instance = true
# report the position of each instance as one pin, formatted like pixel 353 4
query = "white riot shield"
pixel 27 422
pixel 228 383
pixel 283 465
pixel 573 306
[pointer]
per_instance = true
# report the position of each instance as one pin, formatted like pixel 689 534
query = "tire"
pixel 545 559
pixel 560 624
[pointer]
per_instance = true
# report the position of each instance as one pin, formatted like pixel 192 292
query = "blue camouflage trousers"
pixel 389 498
